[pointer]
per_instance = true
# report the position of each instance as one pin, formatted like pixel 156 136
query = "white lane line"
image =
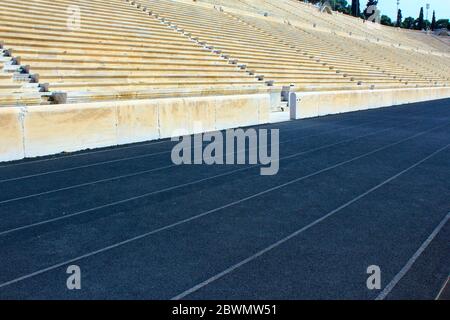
pixel 114 148
pixel 412 260
pixel 438 297
pixel 168 167
pixel 2 233
pixel 147 155
pixel 296 233
pixel 196 217
pixel 66 216
pixel 40 174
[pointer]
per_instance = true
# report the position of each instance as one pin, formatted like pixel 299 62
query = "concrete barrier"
pixel 67 128
pixel 313 104
pixel 137 120
pixel 11 137
pixel 45 130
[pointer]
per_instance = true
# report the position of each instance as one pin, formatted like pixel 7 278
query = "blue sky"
pixel 412 7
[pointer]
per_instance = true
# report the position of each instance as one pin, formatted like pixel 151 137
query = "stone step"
pixel 96 52
pixel 38 87
pixel 13 68
pixel 8 60
pixel 117 73
pixel 25 77
pixel 96 86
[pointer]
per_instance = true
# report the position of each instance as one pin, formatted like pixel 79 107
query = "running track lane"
pixel 385 227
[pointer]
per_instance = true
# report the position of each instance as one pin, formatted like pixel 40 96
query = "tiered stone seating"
pixel 381 66
pixel 118 52
pixel 429 40
pixel 437 62
pixel 426 67
pixel 17 86
pixel 298 11
pixel 352 63
pixel 385 60
pixel 262 53
pixel 249 6
pixel 444 39
pixel 136 49
pixel 356 26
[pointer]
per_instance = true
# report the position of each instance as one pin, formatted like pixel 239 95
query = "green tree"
pixel 420 23
pixel 442 24
pixel 385 20
pixel 356 11
pixel 338 5
pixel 433 21
pixel 341 6
pixel 408 23
pixel 399 18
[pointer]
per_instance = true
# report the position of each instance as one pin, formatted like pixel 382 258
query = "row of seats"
pixel 289 55
pixel 92 50
pixel 299 11
pixel 116 51
pixel 377 32
pixel 427 38
pixel 406 66
pixel 349 59
pixel 262 53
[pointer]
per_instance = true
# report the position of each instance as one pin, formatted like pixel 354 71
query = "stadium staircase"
pixel 18 86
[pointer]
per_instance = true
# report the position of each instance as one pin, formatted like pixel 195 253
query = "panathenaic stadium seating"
pixel 309 15
pixel 119 52
pixel 286 54
pixel 159 65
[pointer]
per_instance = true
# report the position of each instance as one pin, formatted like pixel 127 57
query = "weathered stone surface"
pixel 11 137
pixel 242 111
pixel 313 104
pixel 66 128
pixel 137 121
pixel 186 115
pixel 72 127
